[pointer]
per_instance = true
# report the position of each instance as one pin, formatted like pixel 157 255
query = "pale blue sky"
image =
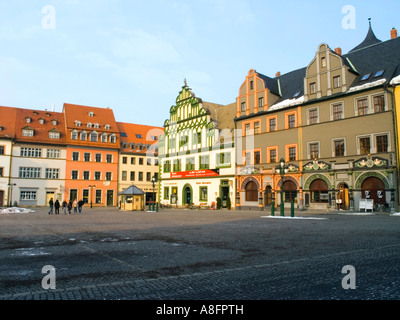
pixel 133 56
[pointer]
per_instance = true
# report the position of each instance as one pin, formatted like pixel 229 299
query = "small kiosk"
pixel 132 199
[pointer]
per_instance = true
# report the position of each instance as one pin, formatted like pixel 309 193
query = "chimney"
pixel 277 74
pixel 338 51
pixel 393 33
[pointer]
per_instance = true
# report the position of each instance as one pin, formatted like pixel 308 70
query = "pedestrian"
pixel 75 206
pixel 65 205
pixel 57 207
pixel 80 205
pixel 69 206
pixel 51 204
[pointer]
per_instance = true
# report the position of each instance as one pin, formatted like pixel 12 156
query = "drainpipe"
pixel 9 174
pixel 395 129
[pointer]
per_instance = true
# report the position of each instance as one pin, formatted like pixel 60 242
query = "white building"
pixel 197 154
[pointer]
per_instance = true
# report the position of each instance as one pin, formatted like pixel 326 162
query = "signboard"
pixel 195 174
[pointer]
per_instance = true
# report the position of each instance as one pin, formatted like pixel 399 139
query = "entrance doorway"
pixel 268 196
pixel 73 195
pixel 187 195
pixel 225 195
pixel 50 195
pixel 289 191
pixel 374 188
pixel 1 198
pixel 343 197
pixel 110 198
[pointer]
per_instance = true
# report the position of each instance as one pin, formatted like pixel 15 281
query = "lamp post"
pixel 91 195
pixel 282 169
pixel 153 182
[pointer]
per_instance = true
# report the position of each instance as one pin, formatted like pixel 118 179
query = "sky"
pixel 133 55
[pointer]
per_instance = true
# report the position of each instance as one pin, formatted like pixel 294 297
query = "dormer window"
pixel 1 128
pixel 83 136
pixel 104 137
pixel 54 122
pixel 94 137
pixel 365 77
pixel 48 114
pixel 336 82
pixel 113 138
pixel 96 125
pixel 107 127
pixel 28 120
pixel 74 135
pixel 28 132
pixel 54 135
pixel 89 125
pixel 41 121
pixel 35 113
pixel 91 114
pixel 78 123
pixel 133 146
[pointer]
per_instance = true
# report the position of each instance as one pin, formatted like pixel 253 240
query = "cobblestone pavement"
pixel 198 255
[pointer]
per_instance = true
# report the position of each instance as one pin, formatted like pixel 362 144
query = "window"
pixel 104 138
pixel 140 176
pixel 133 160
pixel 1 150
pixel 28 120
pixel 261 102
pixel 139 136
pixel 109 158
pixel 86 175
pixel 74 135
pixel 53 154
pixel 98 157
pixel 183 140
pixel 204 162
pixel 132 175
pixel 319 191
pixel 243 106
pixel 362 106
pixel 124 160
pixel 314 150
pixel 337 111
pixel 251 85
pixel 365 145
pixel 98 196
pixel 365 77
pixel 379 103
pixel 141 161
pixel 196 137
pixel 74 175
pixel 97 175
pixel 257 127
pixel 75 156
pixel 167 166
pixel 336 82
pixel 291 120
pixel 54 135
pixel 166 193
pixel 94 137
pixel 379 73
pixel 1 172
pixel 172 143
pixel 108 176
pixel 27 195
pixel 107 127
pixel 156 161
pixel 339 148
pixel 52 173
pixel 247 158
pixel 85 195
pixel 223 159
pixel 272 124
pixel 203 194
pixel 190 165
pixel 27 132
pixel 113 138
pixel 91 114
pixel 292 154
pixel 177 165
pixel 83 136
pixel 148 176
pixel 257 157
pixel 382 143
pixel 272 156
pixel 89 125
pixel 31 152
pixel 78 123
pixel 313 116
pixel 86 156
pixel 96 125
pixel 323 62
pixel 247 129
pixel 312 88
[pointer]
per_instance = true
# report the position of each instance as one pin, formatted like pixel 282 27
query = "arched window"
pixel 319 191
pixel 104 137
pixel 290 190
pixel 83 135
pixel 74 135
pixel 251 191
pixel 94 137
pixel 113 138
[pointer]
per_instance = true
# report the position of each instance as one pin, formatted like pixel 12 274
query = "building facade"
pixel 332 123
pixel 197 155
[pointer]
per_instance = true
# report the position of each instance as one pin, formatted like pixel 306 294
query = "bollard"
pixel 292 209
pixel 273 208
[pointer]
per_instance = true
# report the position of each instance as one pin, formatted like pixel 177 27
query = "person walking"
pixel 65 205
pixel 69 206
pixel 51 204
pixel 80 205
pixel 75 206
pixel 57 207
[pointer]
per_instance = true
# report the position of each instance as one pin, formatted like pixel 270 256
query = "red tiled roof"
pixel 7 122
pixel 138 134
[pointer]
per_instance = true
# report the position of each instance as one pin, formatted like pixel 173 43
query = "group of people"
pixel 76 205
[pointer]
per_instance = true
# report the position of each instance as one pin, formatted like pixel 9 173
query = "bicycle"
pixel 384 207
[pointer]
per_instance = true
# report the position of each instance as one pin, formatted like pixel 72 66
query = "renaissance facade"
pixel 197 158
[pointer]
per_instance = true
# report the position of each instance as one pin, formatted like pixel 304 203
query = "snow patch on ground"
pixel 289 217
pixel 15 210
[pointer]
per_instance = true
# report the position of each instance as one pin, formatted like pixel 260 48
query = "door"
pixel 374 188
pixel 268 196
pixel 1 198
pixel 110 198
pixel 188 196
pixel 50 195
pixel 225 195
pixel 73 194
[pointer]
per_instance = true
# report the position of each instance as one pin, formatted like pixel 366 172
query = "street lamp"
pixel 91 195
pixel 153 182
pixel 282 169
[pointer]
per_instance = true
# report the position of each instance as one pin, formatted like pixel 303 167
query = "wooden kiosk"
pixel 132 199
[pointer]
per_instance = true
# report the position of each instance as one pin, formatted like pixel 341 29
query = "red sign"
pixel 195 174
